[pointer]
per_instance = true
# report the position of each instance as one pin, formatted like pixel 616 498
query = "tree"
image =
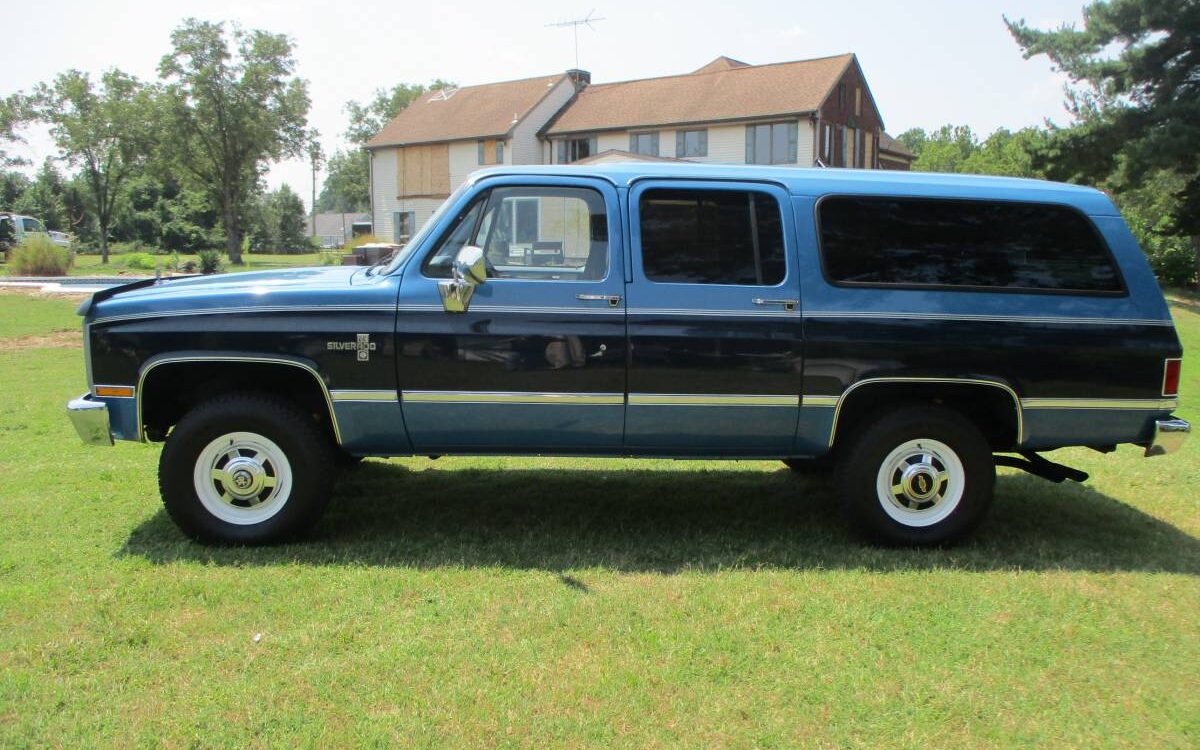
pixel 104 131
pixel 44 198
pixel 231 112
pixel 279 222
pixel 1134 69
pixel 957 149
pixel 12 116
pixel 347 183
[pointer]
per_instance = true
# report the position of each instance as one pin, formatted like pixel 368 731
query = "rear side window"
pixel 930 242
pixel 712 237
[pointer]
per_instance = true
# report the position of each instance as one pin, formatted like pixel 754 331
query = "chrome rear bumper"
pixel 1169 435
pixel 90 418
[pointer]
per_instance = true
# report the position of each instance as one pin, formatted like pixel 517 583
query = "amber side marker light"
pixel 115 391
pixel 1171 372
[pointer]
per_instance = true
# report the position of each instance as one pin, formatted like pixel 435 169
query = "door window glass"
pixel 533 233
pixel 712 237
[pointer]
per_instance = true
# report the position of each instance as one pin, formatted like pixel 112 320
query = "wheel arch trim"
pixel 924 380
pixel 182 357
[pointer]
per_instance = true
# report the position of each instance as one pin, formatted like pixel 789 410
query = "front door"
pixel 715 330
pixel 536 364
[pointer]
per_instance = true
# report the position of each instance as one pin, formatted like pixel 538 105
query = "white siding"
pixel 804 144
pixel 726 145
pixel 383 191
pixel 464 159
pixel 618 141
pixel 524 146
pixel 383 197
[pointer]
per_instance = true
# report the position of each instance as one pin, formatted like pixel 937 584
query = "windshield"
pixel 32 225
pixel 402 254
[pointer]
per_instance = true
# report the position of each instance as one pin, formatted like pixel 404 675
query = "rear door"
pixel 715 331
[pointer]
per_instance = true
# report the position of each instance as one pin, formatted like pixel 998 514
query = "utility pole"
pixel 316 156
pixel 587 20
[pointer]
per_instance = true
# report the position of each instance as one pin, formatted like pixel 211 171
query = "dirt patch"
pixel 35 291
pixel 52 340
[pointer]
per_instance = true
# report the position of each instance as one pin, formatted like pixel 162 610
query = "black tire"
pixel 819 466
pixel 306 470
pixel 894 517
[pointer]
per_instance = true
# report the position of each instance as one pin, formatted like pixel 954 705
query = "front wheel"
pixel 917 476
pixel 245 469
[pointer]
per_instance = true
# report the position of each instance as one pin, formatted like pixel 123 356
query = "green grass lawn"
pixel 586 603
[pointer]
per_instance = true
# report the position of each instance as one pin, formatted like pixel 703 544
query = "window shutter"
pixel 654 144
pixel 793 139
pixel 592 147
pixel 749 144
pixel 481 157
pixel 562 152
pixel 633 143
pixel 397 226
pixel 704 142
pixel 499 152
pixel 679 143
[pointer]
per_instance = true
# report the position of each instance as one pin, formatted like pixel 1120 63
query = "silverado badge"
pixel 363 345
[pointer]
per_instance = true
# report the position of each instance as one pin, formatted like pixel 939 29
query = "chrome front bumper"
pixel 90 418
pixel 1169 435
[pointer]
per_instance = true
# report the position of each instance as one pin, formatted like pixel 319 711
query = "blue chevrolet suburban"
pixel 909 331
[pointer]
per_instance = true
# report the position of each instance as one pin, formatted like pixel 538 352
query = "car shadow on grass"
pixel 672 521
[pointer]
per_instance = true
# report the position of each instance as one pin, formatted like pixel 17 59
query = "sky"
pixel 927 62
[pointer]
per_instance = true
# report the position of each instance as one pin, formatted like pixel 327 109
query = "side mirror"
pixel 470 270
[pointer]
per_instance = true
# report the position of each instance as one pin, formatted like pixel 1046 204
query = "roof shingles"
pixel 468 112
pixel 730 93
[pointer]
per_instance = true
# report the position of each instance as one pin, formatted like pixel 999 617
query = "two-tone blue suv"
pixel 904 329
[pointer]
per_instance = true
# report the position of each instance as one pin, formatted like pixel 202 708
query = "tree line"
pixel 175 163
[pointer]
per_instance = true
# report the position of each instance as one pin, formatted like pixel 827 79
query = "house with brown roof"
pixel 806 113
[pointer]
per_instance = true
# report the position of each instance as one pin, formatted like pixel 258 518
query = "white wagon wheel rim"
pixel 920 482
pixel 242 478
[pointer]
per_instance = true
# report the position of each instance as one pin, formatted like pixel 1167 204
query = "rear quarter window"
pixel 921 242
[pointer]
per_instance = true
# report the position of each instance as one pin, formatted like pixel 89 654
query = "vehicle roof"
pixel 818 182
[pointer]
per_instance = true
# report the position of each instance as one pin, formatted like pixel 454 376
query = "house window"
pixel 574 149
pixel 490 152
pixel 691 143
pixel 771 144
pixel 858 101
pixel 643 143
pixel 827 145
pixel 711 237
pixel 403 223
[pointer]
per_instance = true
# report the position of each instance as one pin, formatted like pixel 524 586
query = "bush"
pixel 38 256
pixel 210 261
pixel 331 258
pixel 139 261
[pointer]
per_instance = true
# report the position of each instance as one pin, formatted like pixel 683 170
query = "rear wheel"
pixel 917 476
pixel 245 469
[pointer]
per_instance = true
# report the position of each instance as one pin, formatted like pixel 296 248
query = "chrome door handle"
pixel 612 299
pixel 788 304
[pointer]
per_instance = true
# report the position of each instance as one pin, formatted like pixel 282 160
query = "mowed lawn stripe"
pixel 587 603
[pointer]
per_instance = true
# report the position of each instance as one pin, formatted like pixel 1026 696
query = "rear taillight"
pixel 1171 377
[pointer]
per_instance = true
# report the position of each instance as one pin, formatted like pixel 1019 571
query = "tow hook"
pixel 1034 464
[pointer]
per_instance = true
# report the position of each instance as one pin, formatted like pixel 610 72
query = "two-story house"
pixel 806 113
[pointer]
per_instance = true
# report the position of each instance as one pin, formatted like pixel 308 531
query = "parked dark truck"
pixel 914 331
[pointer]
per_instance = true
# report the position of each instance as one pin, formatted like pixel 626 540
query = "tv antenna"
pixel 587 20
